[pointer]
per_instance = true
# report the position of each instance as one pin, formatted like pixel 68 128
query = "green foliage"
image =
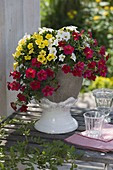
pixel 47 156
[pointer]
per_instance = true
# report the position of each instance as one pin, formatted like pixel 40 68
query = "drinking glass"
pixel 93 123
pixel 103 99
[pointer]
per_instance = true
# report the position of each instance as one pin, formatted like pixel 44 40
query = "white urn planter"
pixel 56 117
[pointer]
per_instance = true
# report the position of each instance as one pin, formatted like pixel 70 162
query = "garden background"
pixel 91 15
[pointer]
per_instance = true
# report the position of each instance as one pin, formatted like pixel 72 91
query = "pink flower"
pixel 48 91
pixel 66 69
pixel 88 52
pixel 15 74
pixel 35 85
pixel 68 49
pixel 30 73
pixel 42 75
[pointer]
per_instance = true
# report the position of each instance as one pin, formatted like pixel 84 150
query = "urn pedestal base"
pixel 56 117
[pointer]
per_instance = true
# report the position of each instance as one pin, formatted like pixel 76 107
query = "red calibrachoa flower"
pixel 50 73
pixel 68 49
pixel 14 86
pixel 76 36
pixel 42 75
pixel 21 97
pixel 102 50
pixel 35 85
pixel 62 43
pixel 87 73
pixel 48 91
pixel 92 65
pixel 40 56
pixel 23 108
pixel 101 63
pixel 88 52
pixel 35 62
pixel 15 74
pixel 66 69
pixel 30 73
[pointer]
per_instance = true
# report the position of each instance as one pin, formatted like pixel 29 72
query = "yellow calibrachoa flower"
pixel 45 61
pixel 30 46
pixel 31 51
pixel 50 57
pixel 19 48
pixel 28 57
pixel 15 65
pixel 36 35
pixel 42 52
pixel 45 42
pixel 41 58
pixel 42 45
pixel 38 42
pixel 22 42
pixel 16 54
pixel 96 17
pixel 48 36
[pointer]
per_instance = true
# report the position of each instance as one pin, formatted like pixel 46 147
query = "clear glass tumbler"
pixel 93 123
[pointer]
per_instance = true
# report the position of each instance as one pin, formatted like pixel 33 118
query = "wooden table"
pixel 13 135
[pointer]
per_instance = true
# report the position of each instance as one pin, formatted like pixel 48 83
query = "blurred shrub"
pixel 100 82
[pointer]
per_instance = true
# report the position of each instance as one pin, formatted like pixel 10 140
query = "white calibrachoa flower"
pixel 66 36
pixel 61 57
pixel 59 35
pixel 73 57
pixel 44 29
pixel 52 50
pixel 71 28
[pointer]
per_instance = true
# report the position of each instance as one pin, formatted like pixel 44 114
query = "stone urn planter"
pixel 56 117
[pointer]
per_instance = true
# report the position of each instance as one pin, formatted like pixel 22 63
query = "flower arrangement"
pixel 40 55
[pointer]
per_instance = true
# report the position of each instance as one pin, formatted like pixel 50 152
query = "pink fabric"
pixel 107 133
pixel 105 144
